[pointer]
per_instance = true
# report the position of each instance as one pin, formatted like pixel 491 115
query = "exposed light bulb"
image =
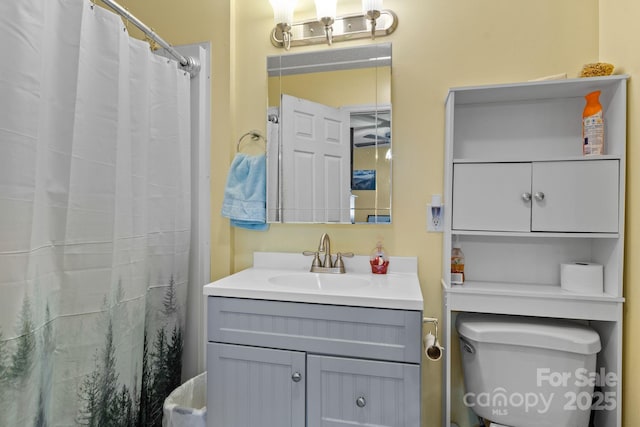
pixel 283 11
pixel 370 5
pixel 326 9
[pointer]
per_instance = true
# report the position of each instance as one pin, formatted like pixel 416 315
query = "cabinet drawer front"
pixel 248 386
pixel 325 329
pixel 351 392
pixel 579 196
pixel 488 196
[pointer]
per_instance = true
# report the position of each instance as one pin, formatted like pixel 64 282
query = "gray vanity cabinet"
pixel 290 364
pixel 353 392
pixel 252 386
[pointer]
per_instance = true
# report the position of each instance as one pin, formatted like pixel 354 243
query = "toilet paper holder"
pixel 432 348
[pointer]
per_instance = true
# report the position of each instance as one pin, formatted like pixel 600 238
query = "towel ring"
pixel 255 136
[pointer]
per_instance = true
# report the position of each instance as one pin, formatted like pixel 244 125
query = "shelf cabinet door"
pixel 352 392
pixel 579 196
pixel 251 386
pixel 488 196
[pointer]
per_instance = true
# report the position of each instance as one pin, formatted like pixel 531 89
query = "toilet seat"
pixel 497 425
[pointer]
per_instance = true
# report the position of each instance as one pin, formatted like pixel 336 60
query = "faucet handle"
pixel 339 263
pixel 346 254
pixel 316 260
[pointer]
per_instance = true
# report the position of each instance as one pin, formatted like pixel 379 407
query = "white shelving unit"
pixel 524 201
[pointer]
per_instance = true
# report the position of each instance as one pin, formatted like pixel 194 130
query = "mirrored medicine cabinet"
pixel 329 139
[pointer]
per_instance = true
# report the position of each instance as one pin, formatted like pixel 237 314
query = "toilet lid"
pixel 553 334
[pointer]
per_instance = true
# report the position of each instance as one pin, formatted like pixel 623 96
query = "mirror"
pixel 329 144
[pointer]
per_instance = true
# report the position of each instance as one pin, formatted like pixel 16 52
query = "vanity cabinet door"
pixel 352 392
pixel 251 386
pixel 488 196
pixel 575 196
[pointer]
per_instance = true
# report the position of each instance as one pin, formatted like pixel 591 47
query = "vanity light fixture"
pixel 371 22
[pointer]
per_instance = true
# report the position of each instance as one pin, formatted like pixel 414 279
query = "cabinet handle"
pixel 361 402
pixel 296 377
pixel 539 196
pixel 526 197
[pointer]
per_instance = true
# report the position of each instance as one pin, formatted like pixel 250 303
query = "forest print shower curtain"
pixel 94 219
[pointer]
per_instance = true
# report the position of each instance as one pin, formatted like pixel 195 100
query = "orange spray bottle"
pixel 592 126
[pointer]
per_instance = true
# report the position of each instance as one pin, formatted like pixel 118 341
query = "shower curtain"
pixel 94 218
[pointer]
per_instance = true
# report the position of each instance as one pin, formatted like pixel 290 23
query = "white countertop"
pixel 398 289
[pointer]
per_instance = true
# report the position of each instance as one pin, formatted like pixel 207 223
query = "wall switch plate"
pixel 435 218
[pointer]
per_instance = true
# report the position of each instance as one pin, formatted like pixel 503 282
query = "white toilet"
pixel 528 372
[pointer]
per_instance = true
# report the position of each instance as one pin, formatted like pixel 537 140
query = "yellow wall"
pixel 363 86
pixel 438 44
pixel 619 40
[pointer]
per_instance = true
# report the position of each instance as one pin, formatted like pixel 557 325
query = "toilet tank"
pixel 528 372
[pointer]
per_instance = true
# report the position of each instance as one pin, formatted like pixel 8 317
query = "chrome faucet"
pixel 327 265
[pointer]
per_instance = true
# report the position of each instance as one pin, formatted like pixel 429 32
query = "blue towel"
pixel 245 196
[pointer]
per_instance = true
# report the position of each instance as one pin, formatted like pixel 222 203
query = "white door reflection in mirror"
pixel 354 79
pixel 315 171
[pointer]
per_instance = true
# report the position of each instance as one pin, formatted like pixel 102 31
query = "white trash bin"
pixel 186 406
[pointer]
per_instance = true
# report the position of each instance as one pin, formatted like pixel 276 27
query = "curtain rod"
pixel 190 64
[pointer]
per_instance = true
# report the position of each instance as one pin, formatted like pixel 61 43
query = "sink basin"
pixel 286 277
pixel 319 281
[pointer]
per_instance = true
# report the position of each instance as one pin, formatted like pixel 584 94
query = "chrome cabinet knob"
pixel 539 196
pixel 296 377
pixel 361 402
pixel 526 197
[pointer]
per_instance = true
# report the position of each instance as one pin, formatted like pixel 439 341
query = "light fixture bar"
pixel 346 27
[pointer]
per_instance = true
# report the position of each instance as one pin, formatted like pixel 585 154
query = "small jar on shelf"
pixel 457 264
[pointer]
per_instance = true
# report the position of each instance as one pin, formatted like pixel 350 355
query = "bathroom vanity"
pixel 287 347
pixel 522 201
